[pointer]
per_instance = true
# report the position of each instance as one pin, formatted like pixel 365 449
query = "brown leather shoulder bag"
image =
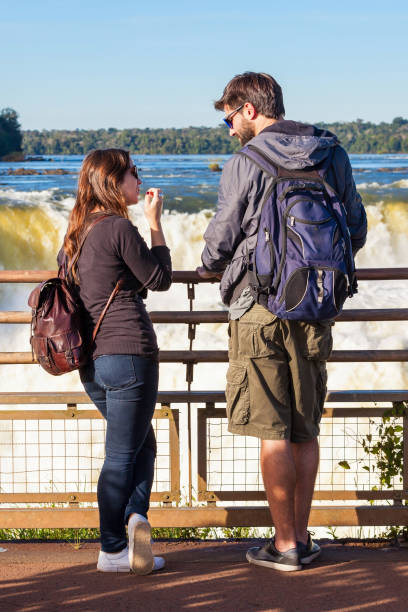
pixel 58 336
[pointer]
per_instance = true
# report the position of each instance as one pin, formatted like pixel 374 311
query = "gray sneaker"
pixel 269 556
pixel 309 551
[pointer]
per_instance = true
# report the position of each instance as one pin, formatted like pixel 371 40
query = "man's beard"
pixel 245 133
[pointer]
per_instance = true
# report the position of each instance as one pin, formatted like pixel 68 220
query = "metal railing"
pixel 220 474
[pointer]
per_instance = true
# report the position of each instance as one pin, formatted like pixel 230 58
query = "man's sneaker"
pixel 140 549
pixel 113 562
pixel 309 551
pixel 269 556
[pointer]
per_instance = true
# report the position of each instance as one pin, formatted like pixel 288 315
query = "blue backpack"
pixel 302 267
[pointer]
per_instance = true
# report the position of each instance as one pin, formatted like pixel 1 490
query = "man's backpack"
pixel 58 330
pixel 302 266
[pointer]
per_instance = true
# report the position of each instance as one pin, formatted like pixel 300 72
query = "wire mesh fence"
pixel 232 462
pixel 64 455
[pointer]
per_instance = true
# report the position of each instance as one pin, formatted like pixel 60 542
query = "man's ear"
pixel 249 111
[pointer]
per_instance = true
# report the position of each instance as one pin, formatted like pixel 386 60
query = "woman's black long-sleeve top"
pixel 114 249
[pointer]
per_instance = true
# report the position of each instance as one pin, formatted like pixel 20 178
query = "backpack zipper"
pixel 284 241
pixel 270 247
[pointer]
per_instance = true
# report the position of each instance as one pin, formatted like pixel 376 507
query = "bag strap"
pixel 112 296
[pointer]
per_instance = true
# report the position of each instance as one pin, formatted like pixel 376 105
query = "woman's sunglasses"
pixel 133 170
pixel 228 119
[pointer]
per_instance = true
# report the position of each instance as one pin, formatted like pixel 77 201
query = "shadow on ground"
pixel 202 576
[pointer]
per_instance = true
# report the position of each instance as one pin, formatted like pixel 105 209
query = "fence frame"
pixel 207 512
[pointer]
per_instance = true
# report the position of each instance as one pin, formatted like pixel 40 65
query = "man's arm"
pixel 356 215
pixel 224 232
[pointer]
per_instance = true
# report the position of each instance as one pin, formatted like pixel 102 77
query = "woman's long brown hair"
pixel 101 173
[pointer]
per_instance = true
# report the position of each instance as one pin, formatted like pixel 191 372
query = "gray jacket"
pixel 232 232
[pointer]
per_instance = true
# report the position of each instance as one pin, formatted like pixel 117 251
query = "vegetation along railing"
pixel 50 459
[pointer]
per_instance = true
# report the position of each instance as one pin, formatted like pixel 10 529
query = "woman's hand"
pixel 153 207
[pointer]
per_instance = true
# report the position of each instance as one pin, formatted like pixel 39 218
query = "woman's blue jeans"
pixel 124 389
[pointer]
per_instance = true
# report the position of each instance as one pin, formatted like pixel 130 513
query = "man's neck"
pixel 262 122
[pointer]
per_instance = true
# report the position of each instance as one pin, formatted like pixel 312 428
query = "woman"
pixel 122 376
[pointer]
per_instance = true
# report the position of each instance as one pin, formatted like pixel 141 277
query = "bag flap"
pixel 40 292
pixel 34 297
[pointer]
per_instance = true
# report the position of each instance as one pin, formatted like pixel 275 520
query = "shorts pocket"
pixel 321 391
pixel 237 394
pixel 257 340
pixel 318 340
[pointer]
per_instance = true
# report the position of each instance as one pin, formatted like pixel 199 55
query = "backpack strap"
pixel 258 157
pixel 266 166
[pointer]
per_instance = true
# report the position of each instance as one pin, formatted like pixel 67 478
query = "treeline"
pixel 357 137
pixel 169 141
pixel 364 137
pixel 10 134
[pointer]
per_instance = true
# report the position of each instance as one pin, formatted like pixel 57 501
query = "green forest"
pixel 169 141
pixel 356 136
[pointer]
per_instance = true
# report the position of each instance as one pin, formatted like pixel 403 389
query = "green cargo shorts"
pixel 277 377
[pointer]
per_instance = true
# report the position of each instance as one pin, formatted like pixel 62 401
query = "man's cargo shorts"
pixel 277 377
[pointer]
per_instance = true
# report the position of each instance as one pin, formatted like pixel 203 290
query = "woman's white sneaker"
pixel 119 562
pixel 113 562
pixel 141 559
pixel 159 563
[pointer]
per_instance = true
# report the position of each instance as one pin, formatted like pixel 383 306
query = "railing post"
pixel 189 380
pixel 174 440
pixel 405 458
pixel 201 453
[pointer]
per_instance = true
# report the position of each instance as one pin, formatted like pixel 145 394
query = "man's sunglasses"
pixel 228 119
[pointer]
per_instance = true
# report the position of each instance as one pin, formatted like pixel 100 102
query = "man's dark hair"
pixel 258 88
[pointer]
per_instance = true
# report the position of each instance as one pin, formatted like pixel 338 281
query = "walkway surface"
pixel 202 576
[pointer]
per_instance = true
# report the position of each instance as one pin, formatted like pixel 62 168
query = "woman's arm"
pixel 151 267
pixel 153 208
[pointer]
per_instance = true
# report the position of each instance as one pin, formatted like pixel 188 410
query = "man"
pixel 276 381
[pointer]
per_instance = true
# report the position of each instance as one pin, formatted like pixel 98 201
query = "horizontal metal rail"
pixel 190 276
pixel 78 497
pixel 203 397
pixel 222 357
pixel 221 316
pixel 217 516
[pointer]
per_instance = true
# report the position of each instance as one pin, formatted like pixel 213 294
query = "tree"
pixel 398 121
pixel 10 134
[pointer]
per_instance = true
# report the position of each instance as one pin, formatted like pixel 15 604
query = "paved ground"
pixel 202 576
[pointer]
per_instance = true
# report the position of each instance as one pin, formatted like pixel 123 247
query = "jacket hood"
pixel 293 145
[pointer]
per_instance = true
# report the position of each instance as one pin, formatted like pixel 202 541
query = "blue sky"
pixel 99 64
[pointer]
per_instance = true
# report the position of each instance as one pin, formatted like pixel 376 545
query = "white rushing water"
pixel 31 231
